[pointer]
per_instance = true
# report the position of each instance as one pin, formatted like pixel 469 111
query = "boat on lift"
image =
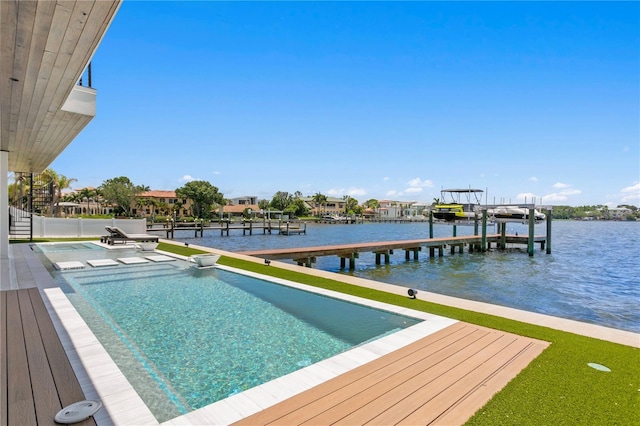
pixel 458 205
pixel 514 214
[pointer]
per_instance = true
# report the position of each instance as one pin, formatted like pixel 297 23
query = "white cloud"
pixel 631 194
pixel 392 193
pixel 386 178
pixel 419 183
pixel 560 185
pixel 413 190
pixel 340 192
pixel 561 196
pixel 529 196
pixel 217 172
pixel 356 192
pixel 533 179
pixel 186 178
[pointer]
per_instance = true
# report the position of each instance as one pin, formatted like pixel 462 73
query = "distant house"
pixel 332 207
pixel 160 202
pixel 620 213
pixel 237 206
pixel 391 209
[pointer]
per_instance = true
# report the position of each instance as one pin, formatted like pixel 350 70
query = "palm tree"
pixel 319 200
pixel 60 182
pixel 86 194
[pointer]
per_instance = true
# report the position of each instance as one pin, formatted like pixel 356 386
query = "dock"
pixel 225 227
pixel 306 256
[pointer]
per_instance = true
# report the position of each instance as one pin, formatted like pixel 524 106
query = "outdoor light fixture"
pixel 412 293
pixel 267 262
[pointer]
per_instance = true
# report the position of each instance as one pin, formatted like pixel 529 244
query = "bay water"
pixel 592 273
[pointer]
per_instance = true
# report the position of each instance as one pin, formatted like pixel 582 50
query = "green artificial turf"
pixel 557 388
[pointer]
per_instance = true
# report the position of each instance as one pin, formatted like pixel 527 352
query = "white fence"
pixel 48 227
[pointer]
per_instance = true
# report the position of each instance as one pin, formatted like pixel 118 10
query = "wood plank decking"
pixel 441 379
pixel 37 379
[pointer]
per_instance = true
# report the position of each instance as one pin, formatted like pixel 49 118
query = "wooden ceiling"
pixel 45 48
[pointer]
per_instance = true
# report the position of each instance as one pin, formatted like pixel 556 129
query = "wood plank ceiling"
pixel 45 48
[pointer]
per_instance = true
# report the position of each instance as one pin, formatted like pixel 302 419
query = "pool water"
pixel 186 338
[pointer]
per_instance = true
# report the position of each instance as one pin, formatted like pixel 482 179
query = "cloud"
pixel 631 194
pixel 217 172
pixel 392 193
pixel 413 190
pixel 352 192
pixel 529 196
pixel 186 178
pixel 356 192
pixel 561 196
pixel 386 178
pixel 419 183
pixel 560 185
pixel 533 179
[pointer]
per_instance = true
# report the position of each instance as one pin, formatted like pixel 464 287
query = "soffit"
pixel 45 47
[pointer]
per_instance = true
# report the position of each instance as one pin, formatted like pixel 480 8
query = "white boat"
pixel 514 214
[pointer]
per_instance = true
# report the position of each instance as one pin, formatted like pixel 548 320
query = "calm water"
pixel 592 274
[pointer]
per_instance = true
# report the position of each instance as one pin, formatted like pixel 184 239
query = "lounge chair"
pixel 117 235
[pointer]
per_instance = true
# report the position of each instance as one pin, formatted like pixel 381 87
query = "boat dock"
pixel 225 227
pixel 306 256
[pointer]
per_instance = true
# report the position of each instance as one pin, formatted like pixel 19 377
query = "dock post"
pixel 548 231
pixel 432 252
pixel 530 242
pixel 343 262
pixel 503 235
pixel 475 224
pixel 455 230
pixel 430 224
pixel 483 240
pixel 377 259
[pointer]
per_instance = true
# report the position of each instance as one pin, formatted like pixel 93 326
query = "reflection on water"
pixel 592 274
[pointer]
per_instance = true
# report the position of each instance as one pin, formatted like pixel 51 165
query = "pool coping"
pixel 101 379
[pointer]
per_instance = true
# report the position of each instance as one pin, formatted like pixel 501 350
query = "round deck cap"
pixel 78 411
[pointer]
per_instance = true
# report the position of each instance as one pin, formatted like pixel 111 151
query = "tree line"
pixel 121 194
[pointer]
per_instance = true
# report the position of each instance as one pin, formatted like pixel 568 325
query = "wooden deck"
pixel 441 379
pixel 37 379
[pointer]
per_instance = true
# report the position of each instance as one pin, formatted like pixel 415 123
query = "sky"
pixel 528 101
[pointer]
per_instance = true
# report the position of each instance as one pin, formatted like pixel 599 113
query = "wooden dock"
pixel 442 379
pixel 225 227
pixel 307 255
pixel 37 379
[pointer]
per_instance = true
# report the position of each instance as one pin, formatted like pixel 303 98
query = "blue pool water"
pixel 186 338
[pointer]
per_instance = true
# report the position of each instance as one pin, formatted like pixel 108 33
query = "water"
pixel 186 338
pixel 592 274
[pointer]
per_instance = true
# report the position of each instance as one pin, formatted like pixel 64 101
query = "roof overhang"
pixel 45 47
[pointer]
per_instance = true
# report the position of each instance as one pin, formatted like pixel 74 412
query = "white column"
pixel 4 205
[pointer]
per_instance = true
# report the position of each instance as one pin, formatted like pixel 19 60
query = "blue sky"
pixel 385 100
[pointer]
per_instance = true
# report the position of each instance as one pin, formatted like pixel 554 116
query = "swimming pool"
pixel 186 338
